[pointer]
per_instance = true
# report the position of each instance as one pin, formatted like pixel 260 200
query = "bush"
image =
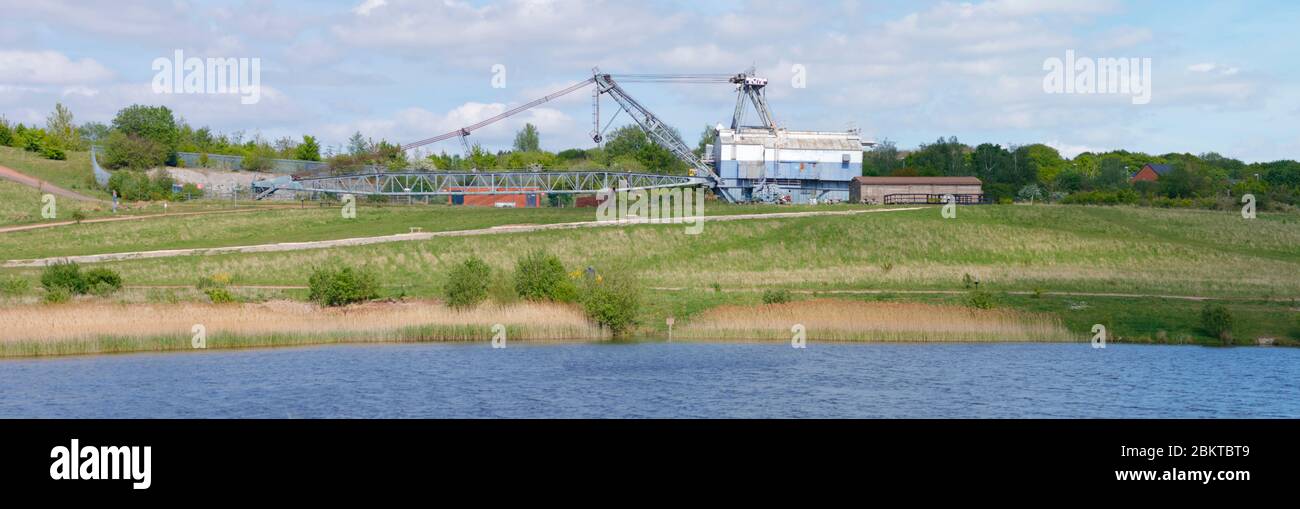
pixel 1217 321
pixel 219 295
pixel 78 216
pixel 612 302
pixel 14 285
pixel 57 296
pixel 190 191
pixel 540 276
pixel 138 185
pixel 980 299
pixel 781 296
pixel 102 281
pixel 123 151
pixel 467 283
pixel 339 285
pixel 64 275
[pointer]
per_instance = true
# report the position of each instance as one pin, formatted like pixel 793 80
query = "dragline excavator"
pixel 749 89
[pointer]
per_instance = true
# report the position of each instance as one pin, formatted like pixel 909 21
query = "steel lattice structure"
pixel 473 183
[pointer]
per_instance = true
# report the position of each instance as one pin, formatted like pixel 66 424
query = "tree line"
pixel 1039 172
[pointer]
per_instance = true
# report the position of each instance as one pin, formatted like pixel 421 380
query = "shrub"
pixel 219 295
pixel 64 275
pixel 102 281
pixel 123 151
pixel 467 283
pixel 340 285
pixel 1217 321
pixel 612 302
pixel 540 276
pixel 190 191
pixel 78 216
pixel 780 296
pixel 14 285
pixel 57 296
pixel 980 299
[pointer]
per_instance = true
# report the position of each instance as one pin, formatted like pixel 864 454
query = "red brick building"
pixel 1151 173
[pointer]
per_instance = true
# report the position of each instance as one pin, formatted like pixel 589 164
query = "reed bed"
pixel 839 320
pixel 84 328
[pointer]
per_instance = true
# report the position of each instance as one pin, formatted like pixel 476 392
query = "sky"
pixel 1224 75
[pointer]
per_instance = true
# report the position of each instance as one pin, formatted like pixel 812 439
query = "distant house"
pixel 1151 173
pixel 914 189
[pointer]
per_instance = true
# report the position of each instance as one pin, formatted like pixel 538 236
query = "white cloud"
pixel 1070 151
pixel 1202 67
pixel 49 68
pixel 368 5
pixel 411 124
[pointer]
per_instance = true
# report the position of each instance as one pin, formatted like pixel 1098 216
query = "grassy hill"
pixel 1029 257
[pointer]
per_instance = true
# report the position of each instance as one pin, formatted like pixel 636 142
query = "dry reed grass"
pixel 840 320
pixel 102 327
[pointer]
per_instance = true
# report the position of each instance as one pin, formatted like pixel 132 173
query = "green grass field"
pixel 73 174
pixel 1252 265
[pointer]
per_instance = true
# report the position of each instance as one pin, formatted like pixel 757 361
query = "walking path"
pixel 28 180
pixel 406 237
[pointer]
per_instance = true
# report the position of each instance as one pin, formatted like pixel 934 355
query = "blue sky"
pixel 1224 74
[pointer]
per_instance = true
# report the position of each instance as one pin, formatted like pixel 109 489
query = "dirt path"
pixel 404 237
pixel 1196 298
pixel 37 226
pixel 30 181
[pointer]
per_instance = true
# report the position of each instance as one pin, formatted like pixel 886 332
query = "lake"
pixel 657 379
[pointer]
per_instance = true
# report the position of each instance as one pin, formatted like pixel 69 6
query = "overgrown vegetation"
pixel 338 285
pixel 612 301
pixel 1217 322
pixel 540 276
pixel 67 277
pixel 467 283
pixel 776 296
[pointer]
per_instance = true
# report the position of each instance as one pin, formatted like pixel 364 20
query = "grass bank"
pixel 841 320
pixel 1019 254
pixel 97 327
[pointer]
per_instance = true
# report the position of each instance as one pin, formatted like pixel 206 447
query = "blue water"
pixel 664 380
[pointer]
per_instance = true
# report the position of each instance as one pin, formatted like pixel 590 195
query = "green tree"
pixel 61 127
pixel 153 123
pixel 708 136
pixel 882 159
pixel 308 150
pixel 527 139
pixel 357 144
pixel 6 133
pixel 130 151
pixel 941 158
pixel 1185 180
pixel 1048 159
